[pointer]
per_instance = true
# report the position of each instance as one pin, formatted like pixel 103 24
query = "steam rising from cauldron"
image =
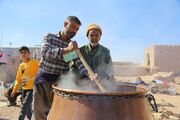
pixel 72 82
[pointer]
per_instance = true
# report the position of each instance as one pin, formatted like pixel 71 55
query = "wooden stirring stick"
pixel 90 71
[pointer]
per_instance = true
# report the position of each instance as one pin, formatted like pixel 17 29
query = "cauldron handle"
pixel 154 106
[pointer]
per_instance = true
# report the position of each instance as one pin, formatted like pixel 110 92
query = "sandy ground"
pixel 168 105
pixel 8 113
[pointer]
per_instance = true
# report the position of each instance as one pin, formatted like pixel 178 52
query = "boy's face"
pixel 24 55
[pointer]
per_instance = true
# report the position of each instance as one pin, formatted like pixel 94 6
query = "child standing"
pixel 25 77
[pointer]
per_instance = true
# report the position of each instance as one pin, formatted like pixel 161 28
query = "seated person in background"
pixel 139 81
pixel 97 56
pixel 12 100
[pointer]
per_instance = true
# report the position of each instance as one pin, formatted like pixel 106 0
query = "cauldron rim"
pixel 139 90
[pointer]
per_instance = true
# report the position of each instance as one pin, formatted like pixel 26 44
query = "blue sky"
pixel 129 26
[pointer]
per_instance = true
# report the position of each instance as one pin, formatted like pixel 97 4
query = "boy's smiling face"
pixel 24 55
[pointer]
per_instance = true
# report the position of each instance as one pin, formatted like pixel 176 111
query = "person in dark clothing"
pixel 139 81
pixel 53 66
pixel 12 100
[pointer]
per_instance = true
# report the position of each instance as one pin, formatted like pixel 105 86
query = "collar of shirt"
pixel 95 51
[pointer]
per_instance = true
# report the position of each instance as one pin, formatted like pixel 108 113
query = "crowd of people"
pixel 35 78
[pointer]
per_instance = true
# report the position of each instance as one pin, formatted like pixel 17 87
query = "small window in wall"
pixel 148 59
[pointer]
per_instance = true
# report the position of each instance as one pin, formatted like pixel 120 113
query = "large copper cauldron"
pixel 129 103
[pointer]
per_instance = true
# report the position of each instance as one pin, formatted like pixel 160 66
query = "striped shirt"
pixel 52 56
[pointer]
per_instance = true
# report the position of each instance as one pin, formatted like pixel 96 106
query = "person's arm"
pixel 109 69
pixel 81 68
pixel 71 47
pixel 46 49
pixel 18 81
pixel 55 53
pixel 37 66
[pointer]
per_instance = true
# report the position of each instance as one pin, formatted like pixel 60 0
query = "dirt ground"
pixel 168 105
pixel 8 113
